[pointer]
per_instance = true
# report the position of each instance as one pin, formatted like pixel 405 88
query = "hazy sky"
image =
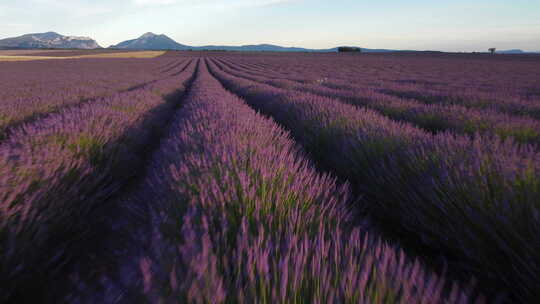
pixel 405 24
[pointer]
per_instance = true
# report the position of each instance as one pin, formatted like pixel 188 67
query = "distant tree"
pixel 343 49
pixel 492 50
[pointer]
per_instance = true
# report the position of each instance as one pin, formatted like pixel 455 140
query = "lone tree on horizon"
pixel 492 50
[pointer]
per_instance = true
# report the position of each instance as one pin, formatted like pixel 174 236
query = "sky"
pixel 457 25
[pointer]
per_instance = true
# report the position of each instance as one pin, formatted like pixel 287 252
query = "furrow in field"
pixel 471 201
pixel 473 100
pixel 57 177
pixel 171 67
pixel 252 69
pixel 166 64
pixel 113 272
pixel 433 118
pixel 179 69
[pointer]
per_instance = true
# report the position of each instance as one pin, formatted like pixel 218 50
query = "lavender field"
pixel 228 177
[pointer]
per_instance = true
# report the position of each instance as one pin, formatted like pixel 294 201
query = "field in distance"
pixel 29 55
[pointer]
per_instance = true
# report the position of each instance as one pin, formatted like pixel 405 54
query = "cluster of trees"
pixel 349 49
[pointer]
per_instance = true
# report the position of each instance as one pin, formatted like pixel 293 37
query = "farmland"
pixel 31 55
pixel 224 177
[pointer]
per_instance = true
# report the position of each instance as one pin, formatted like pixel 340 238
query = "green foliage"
pixel 343 49
pixel 89 147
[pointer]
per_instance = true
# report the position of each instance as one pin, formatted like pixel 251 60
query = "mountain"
pixel 150 41
pixel 49 40
pixel 513 51
pixel 248 48
pixel 277 48
pixel 517 51
pixel 257 48
pixel 272 48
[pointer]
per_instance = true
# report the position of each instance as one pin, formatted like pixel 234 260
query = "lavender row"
pixel 54 174
pixel 45 87
pixel 249 220
pixel 473 200
pixel 470 99
pixel 430 117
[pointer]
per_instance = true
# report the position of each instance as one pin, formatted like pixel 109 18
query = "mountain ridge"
pixel 516 51
pixel 49 40
pixel 151 41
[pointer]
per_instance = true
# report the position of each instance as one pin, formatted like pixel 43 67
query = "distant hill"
pixel 257 48
pixel 148 41
pixel 49 40
pixel 513 51
pixel 275 48
pixel 516 51
pixel 151 41
pixel 254 48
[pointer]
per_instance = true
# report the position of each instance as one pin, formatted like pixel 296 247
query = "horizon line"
pixel 272 44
